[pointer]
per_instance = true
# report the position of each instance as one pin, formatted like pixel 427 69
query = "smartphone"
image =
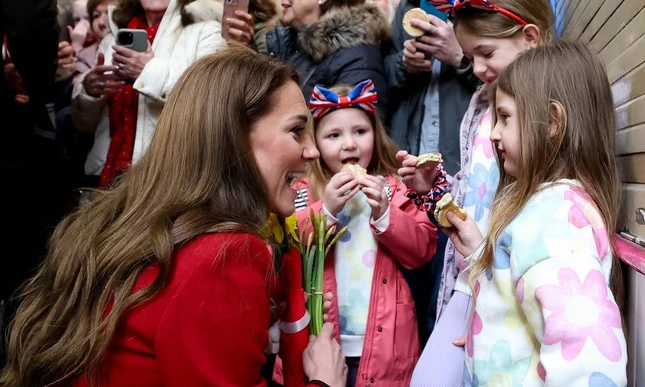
pixel 430 9
pixel 230 6
pixel 136 40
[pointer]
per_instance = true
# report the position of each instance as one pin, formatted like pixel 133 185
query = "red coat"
pixel 208 327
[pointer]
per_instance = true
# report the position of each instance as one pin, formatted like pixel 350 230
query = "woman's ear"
pixel 557 121
pixel 531 34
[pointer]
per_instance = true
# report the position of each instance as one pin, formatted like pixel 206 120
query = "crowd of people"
pixel 153 176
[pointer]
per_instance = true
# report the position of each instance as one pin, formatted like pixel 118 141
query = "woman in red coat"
pixel 165 279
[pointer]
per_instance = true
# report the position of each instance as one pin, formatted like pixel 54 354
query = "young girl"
pixel 373 307
pixel 96 14
pixel 544 309
pixel 492 34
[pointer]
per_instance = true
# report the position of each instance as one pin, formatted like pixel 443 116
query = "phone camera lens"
pixel 126 38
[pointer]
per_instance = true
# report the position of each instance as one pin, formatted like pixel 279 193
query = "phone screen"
pixel 431 10
pixel 230 6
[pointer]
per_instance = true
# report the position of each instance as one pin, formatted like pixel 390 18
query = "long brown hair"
pixel 383 161
pixel 498 25
pixel 198 176
pixel 581 147
pixel 92 5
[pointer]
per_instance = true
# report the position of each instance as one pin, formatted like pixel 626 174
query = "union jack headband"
pixel 362 96
pixel 450 6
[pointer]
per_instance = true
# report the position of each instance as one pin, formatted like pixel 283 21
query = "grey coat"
pixel 407 93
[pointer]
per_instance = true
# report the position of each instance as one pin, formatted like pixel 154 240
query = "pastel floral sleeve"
pixel 572 313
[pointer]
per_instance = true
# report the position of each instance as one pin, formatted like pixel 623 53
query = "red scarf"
pixel 123 119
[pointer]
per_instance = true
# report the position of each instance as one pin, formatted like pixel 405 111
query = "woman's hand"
pixel 102 79
pixel 421 180
pixel 342 187
pixel 131 63
pixel 66 57
pixel 327 303
pixel 240 28
pixel 465 234
pixel 374 189
pixel 323 360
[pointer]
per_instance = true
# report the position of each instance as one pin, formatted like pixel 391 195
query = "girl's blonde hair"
pixel 383 161
pixel 577 144
pixel 198 176
pixel 497 25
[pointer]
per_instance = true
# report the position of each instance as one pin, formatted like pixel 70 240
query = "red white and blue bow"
pixel 362 96
pixel 450 6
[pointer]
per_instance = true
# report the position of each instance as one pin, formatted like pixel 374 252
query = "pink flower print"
pixel 482 137
pixel 583 213
pixel 476 326
pixel 486 143
pixel 580 311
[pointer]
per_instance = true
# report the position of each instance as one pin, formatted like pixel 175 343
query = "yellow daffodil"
pixel 273 228
pixel 291 224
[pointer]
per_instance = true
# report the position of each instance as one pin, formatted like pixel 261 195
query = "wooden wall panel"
pixel 631 168
pixel 627 61
pixel 632 113
pixel 568 14
pixel 625 38
pixel 631 140
pixel 630 217
pixel 623 15
pixel 615 29
pixel 607 9
pixel 576 16
pixel 630 86
pixel 585 19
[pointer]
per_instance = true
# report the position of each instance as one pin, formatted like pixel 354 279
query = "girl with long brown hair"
pixel 492 34
pixel 544 279
pixel 165 279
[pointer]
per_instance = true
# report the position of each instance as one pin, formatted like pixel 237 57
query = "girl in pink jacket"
pixel 373 309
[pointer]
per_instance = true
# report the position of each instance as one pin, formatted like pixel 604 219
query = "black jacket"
pixel 32 39
pixel 344 47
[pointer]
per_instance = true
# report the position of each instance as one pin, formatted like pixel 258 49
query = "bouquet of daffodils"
pixel 313 252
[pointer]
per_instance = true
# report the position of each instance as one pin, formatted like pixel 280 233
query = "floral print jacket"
pixel 544 313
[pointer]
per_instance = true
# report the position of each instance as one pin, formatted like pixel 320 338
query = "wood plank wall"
pixel 615 30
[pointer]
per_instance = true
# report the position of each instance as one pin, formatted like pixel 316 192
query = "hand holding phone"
pixel 136 40
pixel 238 23
pixel 131 53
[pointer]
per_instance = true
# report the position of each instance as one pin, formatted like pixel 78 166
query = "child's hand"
pixel 460 342
pixel 342 187
pixel 78 34
pixel 465 234
pixel 420 181
pixel 374 189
